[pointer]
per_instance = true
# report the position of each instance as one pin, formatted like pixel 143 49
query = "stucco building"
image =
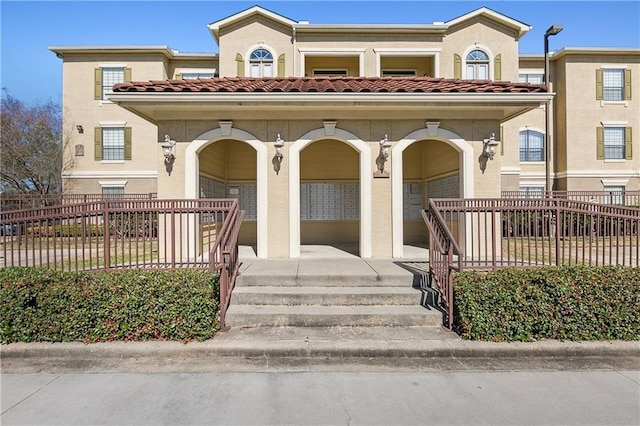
pixel 339 134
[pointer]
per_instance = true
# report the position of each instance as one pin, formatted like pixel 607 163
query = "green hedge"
pixel 565 303
pixel 40 305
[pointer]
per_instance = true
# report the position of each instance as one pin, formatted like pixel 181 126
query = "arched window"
pixel 531 146
pixel 261 62
pixel 477 65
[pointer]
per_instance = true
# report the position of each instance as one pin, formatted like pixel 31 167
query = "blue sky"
pixel 32 73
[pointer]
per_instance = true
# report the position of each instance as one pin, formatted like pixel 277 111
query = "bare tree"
pixel 31 147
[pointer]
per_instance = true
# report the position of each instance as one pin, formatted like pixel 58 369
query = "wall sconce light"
pixel 490 147
pixel 382 158
pixel 277 159
pixel 79 128
pixel 169 149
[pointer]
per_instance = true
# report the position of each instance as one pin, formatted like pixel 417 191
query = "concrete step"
pixel 327 296
pixel 330 316
pixel 332 273
pixel 333 280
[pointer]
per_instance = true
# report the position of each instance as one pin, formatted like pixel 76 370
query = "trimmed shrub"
pixel 565 303
pixel 48 306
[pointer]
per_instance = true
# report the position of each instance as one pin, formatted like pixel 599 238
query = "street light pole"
pixel 553 30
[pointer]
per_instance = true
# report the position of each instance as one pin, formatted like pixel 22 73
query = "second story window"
pixel 112 143
pixel 531 146
pixel 477 65
pixel 106 77
pixel 261 62
pixel 614 143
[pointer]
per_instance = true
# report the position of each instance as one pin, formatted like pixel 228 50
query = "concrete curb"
pixel 338 349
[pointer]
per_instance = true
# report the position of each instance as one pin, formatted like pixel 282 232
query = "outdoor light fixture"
pixel 382 158
pixel 277 159
pixel 553 30
pixel 79 128
pixel 169 149
pixel 490 147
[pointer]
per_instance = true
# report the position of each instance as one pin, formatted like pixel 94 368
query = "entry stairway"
pixel 362 295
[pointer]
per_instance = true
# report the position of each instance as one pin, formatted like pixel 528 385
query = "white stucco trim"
pixel 112 183
pixel 192 170
pixel 598 174
pixel 365 187
pixel 466 158
pixel 104 174
pixel 614 182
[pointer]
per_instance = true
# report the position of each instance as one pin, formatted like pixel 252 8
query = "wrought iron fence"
pixel 112 234
pixel 623 198
pixel 488 234
pixel 32 201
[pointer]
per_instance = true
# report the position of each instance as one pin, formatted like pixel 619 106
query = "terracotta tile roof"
pixel 330 85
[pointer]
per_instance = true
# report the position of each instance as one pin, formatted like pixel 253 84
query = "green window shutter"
pixel 98 83
pixel 127 75
pixel 627 85
pixel 457 66
pixel 600 142
pixel 497 68
pixel 127 143
pixel 501 140
pixel 240 65
pixel 97 143
pixel 281 65
pixel 628 146
pixel 599 85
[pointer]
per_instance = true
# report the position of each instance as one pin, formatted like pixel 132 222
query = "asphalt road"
pixel 593 397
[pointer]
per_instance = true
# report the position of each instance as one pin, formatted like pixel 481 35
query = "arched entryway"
pixel 428 163
pixel 330 189
pixel 232 164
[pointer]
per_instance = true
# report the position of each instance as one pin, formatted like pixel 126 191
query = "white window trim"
pixel 112 124
pixel 614 123
pixel 485 49
pixel 112 183
pixel 320 51
pixel 614 182
pixel 434 53
pixel 195 71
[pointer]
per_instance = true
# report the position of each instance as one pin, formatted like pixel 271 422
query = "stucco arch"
pixel 192 171
pixel 466 155
pixel 365 185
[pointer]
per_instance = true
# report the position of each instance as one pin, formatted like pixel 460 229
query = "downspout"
pixel 294 49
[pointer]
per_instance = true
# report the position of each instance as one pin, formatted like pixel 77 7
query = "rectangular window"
pixel 530 78
pixel 329 73
pixel 111 76
pixel 613 84
pixel 531 191
pixel 113 191
pixel 614 143
pixel 614 195
pixel 196 75
pixel 531 146
pixel 398 73
pixel 113 143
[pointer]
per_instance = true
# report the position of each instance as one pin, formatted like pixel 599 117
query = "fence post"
pixel 557 231
pixel 106 234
